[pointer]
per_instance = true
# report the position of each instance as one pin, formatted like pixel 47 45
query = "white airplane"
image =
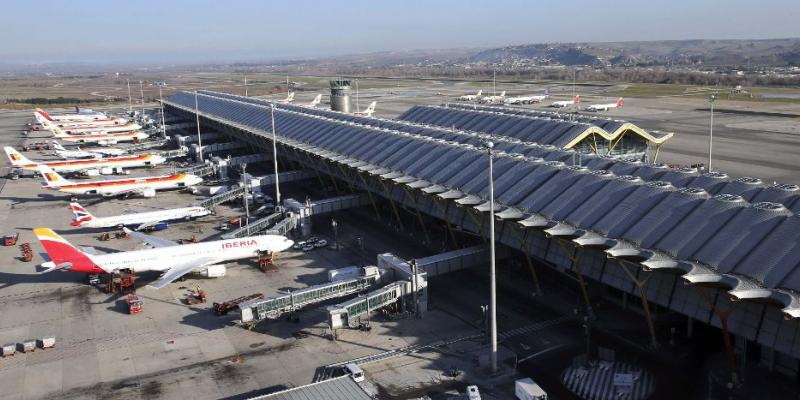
pixel 605 107
pixel 499 99
pixel 81 115
pixel 60 151
pixel 289 98
pixel 166 256
pixel 367 111
pixel 144 186
pixel 103 139
pixel 315 102
pixel 470 97
pixel 92 129
pixel 141 160
pixel 527 99
pixel 566 103
pixel 139 220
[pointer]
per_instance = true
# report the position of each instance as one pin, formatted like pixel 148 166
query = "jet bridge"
pixel 349 314
pixel 201 170
pixel 306 210
pixel 152 144
pixel 182 152
pixel 254 227
pixel 440 264
pixel 180 125
pixel 221 198
pixel 275 306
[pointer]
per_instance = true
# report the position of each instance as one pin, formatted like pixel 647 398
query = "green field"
pixel 670 90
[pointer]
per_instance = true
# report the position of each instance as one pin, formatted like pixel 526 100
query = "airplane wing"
pixel 91 250
pixel 147 225
pixel 180 270
pixel 156 242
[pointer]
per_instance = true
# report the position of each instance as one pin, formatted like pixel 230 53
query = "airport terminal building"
pixel 716 251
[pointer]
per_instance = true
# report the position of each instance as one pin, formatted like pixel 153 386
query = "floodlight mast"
pixel 492 267
pixel 199 140
pixel 275 157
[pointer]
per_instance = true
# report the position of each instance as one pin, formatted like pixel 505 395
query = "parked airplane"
pixel 470 97
pixel 527 99
pixel 141 160
pixel 90 129
pixel 138 220
pixel 144 186
pixel 566 103
pixel 80 115
pixel 289 98
pixel 172 259
pixel 367 111
pixel 48 123
pixel 103 139
pixel 92 153
pixel 605 107
pixel 313 103
pixel 499 99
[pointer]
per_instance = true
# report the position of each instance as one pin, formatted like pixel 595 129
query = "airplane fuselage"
pixel 118 186
pixel 101 138
pixel 163 258
pixel 143 160
pixel 137 219
pixel 94 128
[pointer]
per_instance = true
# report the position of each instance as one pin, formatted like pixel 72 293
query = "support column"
pixel 371 198
pixel 447 221
pixel 574 256
pixel 723 316
pixel 523 240
pixel 641 284
pixel 419 215
pixel 394 206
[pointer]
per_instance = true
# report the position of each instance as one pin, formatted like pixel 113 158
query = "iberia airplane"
pixel 141 160
pixel 40 116
pixel 144 186
pixel 88 129
pixel 87 120
pixel 172 259
pixel 103 139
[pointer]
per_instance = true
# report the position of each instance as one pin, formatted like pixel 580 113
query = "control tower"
pixel 340 95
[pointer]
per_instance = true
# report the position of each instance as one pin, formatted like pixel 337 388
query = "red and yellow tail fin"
pixel 52 178
pixel 62 253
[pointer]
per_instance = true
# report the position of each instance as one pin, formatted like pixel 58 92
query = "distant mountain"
pixel 767 52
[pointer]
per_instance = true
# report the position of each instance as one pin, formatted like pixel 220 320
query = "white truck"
pixel 527 389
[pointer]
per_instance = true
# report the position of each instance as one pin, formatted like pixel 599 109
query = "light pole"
pixel 275 153
pixel 141 92
pixel 358 109
pixel 130 99
pixel 711 130
pixel 335 226
pixel 492 269
pixel 161 99
pixel 199 141
pixel 245 85
pixel 246 190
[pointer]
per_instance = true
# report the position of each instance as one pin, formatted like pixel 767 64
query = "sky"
pixel 182 31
